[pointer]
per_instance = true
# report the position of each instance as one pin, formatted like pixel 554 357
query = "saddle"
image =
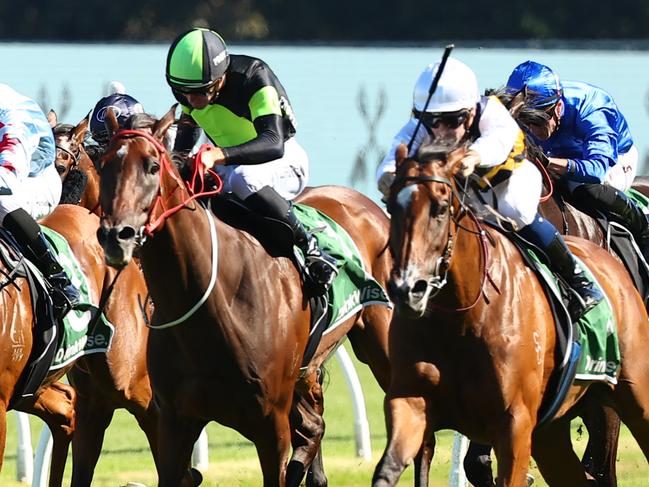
pixel 46 331
pixel 277 239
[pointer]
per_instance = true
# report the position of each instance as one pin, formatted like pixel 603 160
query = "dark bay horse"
pixel 235 357
pixel 473 327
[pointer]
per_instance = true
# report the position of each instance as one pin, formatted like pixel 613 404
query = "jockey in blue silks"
pixel 588 142
pixel 456 111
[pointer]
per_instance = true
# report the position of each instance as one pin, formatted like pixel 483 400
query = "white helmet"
pixel 457 88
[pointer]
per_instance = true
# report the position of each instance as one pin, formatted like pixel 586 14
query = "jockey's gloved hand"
pixel 470 160
pixel 384 183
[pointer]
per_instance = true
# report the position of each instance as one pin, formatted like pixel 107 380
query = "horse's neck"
pixel 180 257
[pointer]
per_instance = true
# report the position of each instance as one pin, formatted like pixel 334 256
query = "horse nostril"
pixel 126 233
pixel 419 289
pixel 101 235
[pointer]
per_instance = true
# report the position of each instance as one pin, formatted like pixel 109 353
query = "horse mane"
pixel 438 149
pixel 139 121
pixel 521 110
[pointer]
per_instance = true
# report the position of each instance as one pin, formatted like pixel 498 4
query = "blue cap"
pixel 123 106
pixel 539 80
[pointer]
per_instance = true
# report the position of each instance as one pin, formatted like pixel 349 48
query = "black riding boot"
pixel 38 249
pixel 586 295
pixel 321 266
pixel 633 218
pixel 618 208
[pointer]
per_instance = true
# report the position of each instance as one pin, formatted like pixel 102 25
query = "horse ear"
pixel 112 125
pixel 401 154
pixel 79 132
pixel 52 118
pixel 162 125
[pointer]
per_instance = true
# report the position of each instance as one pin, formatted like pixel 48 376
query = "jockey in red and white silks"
pixel 27 153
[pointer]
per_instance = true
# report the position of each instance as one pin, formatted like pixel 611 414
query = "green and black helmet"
pixel 196 59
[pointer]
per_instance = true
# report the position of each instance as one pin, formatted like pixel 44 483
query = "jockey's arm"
pixel 266 147
pixel 498 133
pixel 600 151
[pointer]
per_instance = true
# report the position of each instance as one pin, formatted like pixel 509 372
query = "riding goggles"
pixel 208 90
pixel 449 119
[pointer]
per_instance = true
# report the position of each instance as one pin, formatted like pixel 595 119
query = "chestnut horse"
pixel 54 402
pixel 118 378
pixel 485 335
pixel 235 357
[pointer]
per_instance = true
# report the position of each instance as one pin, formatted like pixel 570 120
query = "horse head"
pixel 137 181
pixel 69 144
pixel 422 206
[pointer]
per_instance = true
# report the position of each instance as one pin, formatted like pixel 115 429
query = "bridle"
pixel 438 279
pixel 73 156
pixel 153 223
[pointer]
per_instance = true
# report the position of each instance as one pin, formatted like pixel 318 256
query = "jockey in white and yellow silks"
pixel 456 112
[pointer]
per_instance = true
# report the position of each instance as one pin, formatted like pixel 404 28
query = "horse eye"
pixel 154 167
pixel 60 169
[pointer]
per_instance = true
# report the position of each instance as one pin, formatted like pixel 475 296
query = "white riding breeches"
pixel 37 195
pixel 519 194
pixel 621 175
pixel 287 175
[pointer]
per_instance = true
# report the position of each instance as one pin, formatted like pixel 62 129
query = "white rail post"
pixel 24 451
pixel 200 454
pixel 457 477
pixel 361 425
pixel 43 458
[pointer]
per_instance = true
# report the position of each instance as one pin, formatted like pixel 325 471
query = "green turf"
pixel 233 460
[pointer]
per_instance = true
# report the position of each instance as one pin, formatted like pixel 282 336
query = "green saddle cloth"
pixel 77 340
pixel 600 351
pixel 353 288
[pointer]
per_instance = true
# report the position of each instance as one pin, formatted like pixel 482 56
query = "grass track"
pixel 233 461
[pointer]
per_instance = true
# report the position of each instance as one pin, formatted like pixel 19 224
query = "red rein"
pixel 193 189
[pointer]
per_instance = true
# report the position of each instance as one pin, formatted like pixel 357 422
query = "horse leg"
pixel 177 436
pixel 315 476
pixel 555 457
pixel 3 432
pixel 307 430
pixel 423 460
pixel 603 425
pixel 513 448
pixel 93 417
pixel 369 340
pixel 405 419
pixel 55 406
pixel 272 440
pixel 477 465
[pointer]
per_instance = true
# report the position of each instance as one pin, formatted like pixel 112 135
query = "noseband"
pixel 153 223
pixel 438 278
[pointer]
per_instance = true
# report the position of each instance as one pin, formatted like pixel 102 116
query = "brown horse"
pixel 73 160
pixel 53 402
pixel 235 357
pixel 101 381
pixel 490 339
pixel 119 378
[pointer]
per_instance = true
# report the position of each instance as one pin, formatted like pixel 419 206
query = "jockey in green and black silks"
pixel 244 110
